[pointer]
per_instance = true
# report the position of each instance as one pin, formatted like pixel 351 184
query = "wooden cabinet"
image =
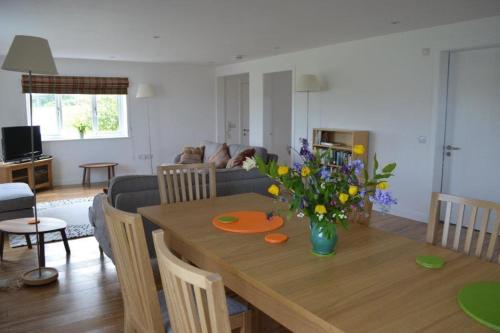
pixel 22 173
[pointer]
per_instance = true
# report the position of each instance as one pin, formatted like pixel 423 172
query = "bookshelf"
pixel 341 143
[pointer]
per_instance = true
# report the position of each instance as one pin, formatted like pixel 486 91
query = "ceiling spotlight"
pixel 395 22
pixel 239 56
pixel 156 37
pixel 276 48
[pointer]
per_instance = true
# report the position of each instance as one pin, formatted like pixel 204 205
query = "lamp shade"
pixel 145 90
pixel 28 53
pixel 308 82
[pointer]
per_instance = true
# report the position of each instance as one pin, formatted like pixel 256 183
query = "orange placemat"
pixel 247 222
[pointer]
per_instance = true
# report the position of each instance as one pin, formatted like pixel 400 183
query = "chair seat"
pixel 234 307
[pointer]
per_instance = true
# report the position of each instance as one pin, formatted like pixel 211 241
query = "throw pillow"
pixel 191 155
pixel 238 160
pixel 220 157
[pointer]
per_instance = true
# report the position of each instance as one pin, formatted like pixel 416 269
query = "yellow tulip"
pixel 358 149
pixel 320 209
pixel 305 171
pixel 353 190
pixel 343 197
pixel 383 185
pixel 282 170
pixel 274 190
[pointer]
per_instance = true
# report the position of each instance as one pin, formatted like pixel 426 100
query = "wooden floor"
pixel 87 296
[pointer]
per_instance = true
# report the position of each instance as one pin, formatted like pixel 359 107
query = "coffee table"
pixel 21 227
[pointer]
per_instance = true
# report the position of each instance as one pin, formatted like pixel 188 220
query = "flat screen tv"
pixel 16 142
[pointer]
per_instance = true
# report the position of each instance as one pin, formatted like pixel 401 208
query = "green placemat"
pixel 481 301
pixel 431 262
pixel 227 219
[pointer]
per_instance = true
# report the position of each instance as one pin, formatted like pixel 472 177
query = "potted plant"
pixel 82 126
pixel 327 196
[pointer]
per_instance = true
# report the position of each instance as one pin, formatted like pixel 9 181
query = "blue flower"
pixel 325 173
pixel 297 167
pixel 383 199
pixel 357 165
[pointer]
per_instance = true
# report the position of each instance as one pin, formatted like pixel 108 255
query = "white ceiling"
pixel 204 31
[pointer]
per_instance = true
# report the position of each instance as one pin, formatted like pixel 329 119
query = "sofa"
pixel 16 201
pixel 130 192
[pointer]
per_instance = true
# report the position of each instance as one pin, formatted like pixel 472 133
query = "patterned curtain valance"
pixel 45 84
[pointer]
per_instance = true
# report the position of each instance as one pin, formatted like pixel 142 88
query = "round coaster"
pixel 481 301
pixel 431 262
pixel 276 238
pixel 227 219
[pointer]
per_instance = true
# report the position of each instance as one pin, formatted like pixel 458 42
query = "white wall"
pixel 182 114
pixel 383 84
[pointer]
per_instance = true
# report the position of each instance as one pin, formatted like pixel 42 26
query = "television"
pixel 16 142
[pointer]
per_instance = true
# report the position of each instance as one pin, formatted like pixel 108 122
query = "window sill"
pixel 84 139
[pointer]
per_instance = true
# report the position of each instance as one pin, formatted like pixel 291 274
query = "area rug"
pixel 73 211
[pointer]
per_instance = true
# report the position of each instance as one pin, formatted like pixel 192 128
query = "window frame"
pixel 123 117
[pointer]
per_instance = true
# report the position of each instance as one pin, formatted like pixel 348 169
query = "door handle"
pixel 450 147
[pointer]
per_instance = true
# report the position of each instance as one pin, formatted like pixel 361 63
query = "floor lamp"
pixel 308 83
pixel 145 90
pixel 32 55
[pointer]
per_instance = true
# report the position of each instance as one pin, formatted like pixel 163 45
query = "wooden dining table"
pixel 372 284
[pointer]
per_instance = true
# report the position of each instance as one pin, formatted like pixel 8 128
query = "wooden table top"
pixel 21 226
pixel 98 165
pixel 372 284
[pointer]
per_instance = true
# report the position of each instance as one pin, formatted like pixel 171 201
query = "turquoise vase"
pixel 323 239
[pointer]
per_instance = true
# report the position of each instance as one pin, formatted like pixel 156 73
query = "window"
pixel 65 116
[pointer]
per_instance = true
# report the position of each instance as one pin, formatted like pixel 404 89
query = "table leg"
pixel 88 177
pixel 113 170
pixel 28 241
pixel 109 174
pixel 84 176
pixel 2 237
pixel 41 260
pixel 65 241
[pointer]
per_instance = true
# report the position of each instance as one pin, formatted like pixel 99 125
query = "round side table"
pixel 22 227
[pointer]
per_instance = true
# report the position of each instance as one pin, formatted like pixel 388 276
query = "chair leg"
pixel 101 252
pixel 247 322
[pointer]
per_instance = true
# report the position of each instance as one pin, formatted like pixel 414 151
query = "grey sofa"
pixel 16 201
pixel 128 193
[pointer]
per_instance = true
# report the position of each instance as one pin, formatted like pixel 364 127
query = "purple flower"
pixel 325 173
pixel 383 199
pixel 297 167
pixel 357 165
pixel 304 152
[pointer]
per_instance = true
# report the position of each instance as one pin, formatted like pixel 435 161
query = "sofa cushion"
pixel 15 196
pixel 235 149
pixel 236 174
pixel 210 149
pixel 237 161
pixel 220 157
pixel 191 155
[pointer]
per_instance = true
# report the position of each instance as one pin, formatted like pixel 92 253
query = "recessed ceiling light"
pixel 395 22
pixel 239 56
pixel 156 37
pixel 277 47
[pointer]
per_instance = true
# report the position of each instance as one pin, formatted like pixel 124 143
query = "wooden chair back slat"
pixel 470 230
pixel 176 182
pixel 486 208
pixel 128 242
pixel 458 227
pixel 191 291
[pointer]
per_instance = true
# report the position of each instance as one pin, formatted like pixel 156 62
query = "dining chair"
pixel 140 298
pixel 186 182
pixel 475 207
pixel 196 298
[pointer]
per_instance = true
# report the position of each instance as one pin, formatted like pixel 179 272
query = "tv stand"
pixel 21 172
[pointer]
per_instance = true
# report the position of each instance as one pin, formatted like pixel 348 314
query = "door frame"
pixel 441 112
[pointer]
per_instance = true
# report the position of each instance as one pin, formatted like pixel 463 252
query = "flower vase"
pixel 323 239
pixel 82 134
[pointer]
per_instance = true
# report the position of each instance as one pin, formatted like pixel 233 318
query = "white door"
pixel 236 109
pixel 244 112
pixel 471 163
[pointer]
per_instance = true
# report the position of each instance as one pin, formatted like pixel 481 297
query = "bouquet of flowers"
pixel 327 194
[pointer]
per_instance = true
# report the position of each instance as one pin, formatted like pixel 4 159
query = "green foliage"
pixel 107 113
